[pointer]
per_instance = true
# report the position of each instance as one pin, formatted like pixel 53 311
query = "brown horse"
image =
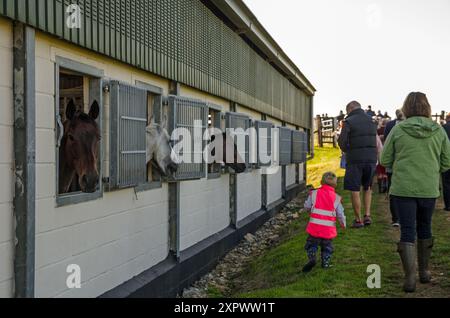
pixel 78 154
pixel 229 155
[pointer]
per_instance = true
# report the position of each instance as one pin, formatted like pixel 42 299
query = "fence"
pixel 325 128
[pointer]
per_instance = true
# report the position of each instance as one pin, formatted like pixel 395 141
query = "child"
pixel 325 207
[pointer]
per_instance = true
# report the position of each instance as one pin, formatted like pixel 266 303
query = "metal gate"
pixel 299 146
pixel 264 135
pixel 192 115
pixel 285 146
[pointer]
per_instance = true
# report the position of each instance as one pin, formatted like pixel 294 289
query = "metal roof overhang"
pixel 241 16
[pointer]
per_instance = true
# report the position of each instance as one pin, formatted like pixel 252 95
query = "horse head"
pixel 79 149
pixel 159 149
pixel 229 146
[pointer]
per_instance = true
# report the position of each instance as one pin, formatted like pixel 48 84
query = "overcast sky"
pixel 374 51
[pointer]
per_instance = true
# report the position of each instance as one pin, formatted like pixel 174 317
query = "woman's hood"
pixel 420 127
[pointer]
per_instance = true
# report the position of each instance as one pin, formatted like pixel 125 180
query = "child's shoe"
pixel 308 267
pixel 326 260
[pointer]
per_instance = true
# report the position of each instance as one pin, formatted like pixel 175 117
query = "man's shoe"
pixel 367 220
pixel 395 224
pixel 357 225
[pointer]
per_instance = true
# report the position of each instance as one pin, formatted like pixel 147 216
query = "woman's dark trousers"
pixel 415 215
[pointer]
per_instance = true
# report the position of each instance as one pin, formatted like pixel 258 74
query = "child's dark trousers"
pixel 326 249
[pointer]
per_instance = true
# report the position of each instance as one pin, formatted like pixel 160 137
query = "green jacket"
pixel 418 151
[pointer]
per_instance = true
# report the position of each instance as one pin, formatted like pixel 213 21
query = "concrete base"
pixel 170 277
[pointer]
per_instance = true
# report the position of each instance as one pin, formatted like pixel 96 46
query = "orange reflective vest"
pixel 322 223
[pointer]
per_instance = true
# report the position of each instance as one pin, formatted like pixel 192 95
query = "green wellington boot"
pixel 407 253
pixel 424 248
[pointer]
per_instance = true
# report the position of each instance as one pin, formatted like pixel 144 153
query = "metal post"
pixel 233 185
pixel 174 199
pixel 283 176
pixel 319 130
pixel 24 159
pixel 263 179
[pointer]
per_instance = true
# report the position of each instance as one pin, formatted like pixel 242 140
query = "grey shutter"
pixel 299 146
pixel 183 112
pixel 236 120
pixel 128 121
pixel 266 138
pixel 285 146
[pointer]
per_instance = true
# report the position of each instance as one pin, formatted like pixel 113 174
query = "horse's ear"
pixel 70 110
pixel 94 111
pixel 151 120
pixel 164 122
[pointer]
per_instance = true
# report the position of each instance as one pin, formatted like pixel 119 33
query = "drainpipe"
pixel 24 158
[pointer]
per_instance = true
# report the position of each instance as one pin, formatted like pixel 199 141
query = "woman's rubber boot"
pixel 424 248
pixel 407 253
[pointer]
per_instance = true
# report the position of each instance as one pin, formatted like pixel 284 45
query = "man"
pixel 358 140
pixel 399 117
pixel 446 175
pixel 370 112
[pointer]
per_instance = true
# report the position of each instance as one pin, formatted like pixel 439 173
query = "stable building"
pixel 125 63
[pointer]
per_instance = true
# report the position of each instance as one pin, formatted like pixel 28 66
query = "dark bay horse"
pixel 230 155
pixel 78 154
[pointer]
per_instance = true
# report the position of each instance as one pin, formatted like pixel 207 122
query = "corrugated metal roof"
pixel 181 40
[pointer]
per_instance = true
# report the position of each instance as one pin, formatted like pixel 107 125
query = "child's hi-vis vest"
pixel 322 223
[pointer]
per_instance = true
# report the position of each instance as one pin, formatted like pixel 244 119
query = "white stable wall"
pixel 205 203
pixel 249 184
pixel 248 194
pixel 274 189
pixel 290 175
pixel 6 160
pixel 113 238
pixel 204 209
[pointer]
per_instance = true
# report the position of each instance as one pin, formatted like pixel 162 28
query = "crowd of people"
pixel 408 154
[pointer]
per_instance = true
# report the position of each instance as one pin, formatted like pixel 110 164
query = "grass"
pixel 325 159
pixel 277 273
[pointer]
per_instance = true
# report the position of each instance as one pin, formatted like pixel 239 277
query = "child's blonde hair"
pixel 329 178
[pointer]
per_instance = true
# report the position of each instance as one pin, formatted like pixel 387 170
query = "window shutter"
pixel 285 146
pixel 183 112
pixel 236 120
pixel 128 121
pixel 299 146
pixel 264 137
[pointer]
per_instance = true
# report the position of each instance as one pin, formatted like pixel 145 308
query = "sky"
pixel 372 51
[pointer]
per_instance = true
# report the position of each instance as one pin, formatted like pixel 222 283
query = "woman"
pixel 417 150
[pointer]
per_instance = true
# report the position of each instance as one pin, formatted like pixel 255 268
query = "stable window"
pixel 285 146
pixel 214 121
pixel 154 116
pixel 188 117
pixel 264 143
pixel 299 146
pixel 78 114
pixel 241 124
pixel 134 111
